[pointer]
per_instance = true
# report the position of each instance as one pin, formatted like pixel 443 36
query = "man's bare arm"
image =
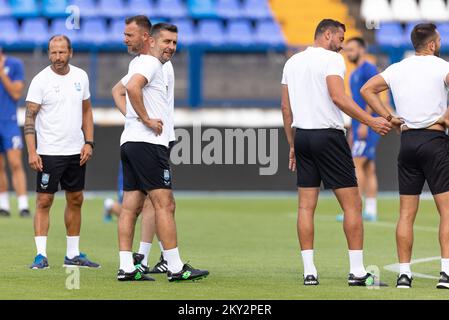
pixel 88 130
pixel 34 160
pixel 119 96
pixel 287 116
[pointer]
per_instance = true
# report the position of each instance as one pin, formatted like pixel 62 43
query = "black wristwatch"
pixel 91 143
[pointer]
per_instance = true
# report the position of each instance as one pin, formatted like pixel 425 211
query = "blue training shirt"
pixel 15 70
pixel 358 78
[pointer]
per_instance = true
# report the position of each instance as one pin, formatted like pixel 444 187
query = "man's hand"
pixel 154 124
pixel 397 123
pixel 292 160
pixel 2 63
pixel 380 125
pixel 362 132
pixel 86 154
pixel 35 162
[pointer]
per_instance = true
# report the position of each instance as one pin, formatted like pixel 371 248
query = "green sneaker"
pixel 188 273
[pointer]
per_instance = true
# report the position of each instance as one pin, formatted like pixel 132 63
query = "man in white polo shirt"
pixel 59 111
pixel 419 88
pixel 312 96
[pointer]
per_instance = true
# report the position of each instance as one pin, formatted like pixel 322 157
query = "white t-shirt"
pixel 419 90
pixel 305 75
pixel 59 121
pixel 155 99
pixel 169 79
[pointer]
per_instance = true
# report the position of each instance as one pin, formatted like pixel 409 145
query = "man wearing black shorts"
pixel 419 87
pixel 59 113
pixel 144 149
pixel 312 96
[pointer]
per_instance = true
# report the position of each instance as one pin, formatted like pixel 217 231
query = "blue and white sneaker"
pixel 107 216
pixel 40 262
pixel 369 217
pixel 80 261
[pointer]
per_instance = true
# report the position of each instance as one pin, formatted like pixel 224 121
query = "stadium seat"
pixel 240 32
pixel 433 10
pixel 58 26
pixel 136 7
pixel 202 9
pixel 24 8
pixel 5 10
pixel 172 9
pixel 115 34
pixel 269 32
pixel 54 8
pixel 376 10
pixel 10 31
pixel 35 30
pixel 390 34
pixel 187 34
pixel 229 9
pixel 256 9
pixel 112 8
pixel 211 32
pixel 88 8
pixel 443 29
pixel 405 10
pixel 94 31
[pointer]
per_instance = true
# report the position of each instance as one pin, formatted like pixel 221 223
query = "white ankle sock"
pixel 404 268
pixel 356 266
pixel 445 265
pixel 41 245
pixel 307 260
pixel 4 201
pixel 108 203
pixel 144 249
pixel 173 259
pixel 22 203
pixel 371 206
pixel 73 247
pixel 126 261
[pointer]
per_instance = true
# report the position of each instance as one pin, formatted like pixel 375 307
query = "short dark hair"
pixel 360 41
pixel 422 33
pixel 158 27
pixel 326 24
pixel 63 36
pixel 141 20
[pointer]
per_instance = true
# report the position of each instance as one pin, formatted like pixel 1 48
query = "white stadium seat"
pixel 434 10
pixel 405 10
pixel 376 10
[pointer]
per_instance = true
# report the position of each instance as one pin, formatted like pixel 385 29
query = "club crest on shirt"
pixel 78 86
pixel 167 177
pixel 56 88
pixel 45 180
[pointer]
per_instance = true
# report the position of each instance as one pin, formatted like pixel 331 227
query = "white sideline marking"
pixel 395 267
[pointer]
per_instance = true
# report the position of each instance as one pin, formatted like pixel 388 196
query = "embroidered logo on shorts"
pixel 78 86
pixel 167 177
pixel 45 180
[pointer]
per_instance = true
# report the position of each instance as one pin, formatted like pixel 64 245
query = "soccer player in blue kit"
pixel 12 83
pixel 365 139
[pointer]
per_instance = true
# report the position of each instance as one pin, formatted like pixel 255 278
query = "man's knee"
pixel 15 164
pixel 44 201
pixel 75 199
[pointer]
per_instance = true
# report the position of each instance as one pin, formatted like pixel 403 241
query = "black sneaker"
pixel 138 258
pixel 366 281
pixel 136 275
pixel 5 213
pixel 404 282
pixel 187 273
pixel 311 280
pixel 444 281
pixel 160 267
pixel 25 213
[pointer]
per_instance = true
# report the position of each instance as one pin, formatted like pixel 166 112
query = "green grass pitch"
pixel 248 244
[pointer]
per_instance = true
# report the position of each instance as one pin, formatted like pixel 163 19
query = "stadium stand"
pixel 34 31
pixel 54 8
pixel 24 8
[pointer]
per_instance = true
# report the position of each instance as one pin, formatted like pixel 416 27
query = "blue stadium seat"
pixel 88 8
pixel 229 9
pixel 10 31
pixel 5 10
pixel 115 34
pixel 112 8
pixel 54 8
pixel 268 32
pixel 187 34
pixel 171 9
pixel 94 31
pixel 211 32
pixel 136 7
pixel 202 9
pixel 256 9
pixel 443 29
pixel 24 8
pixel 35 31
pixel 240 32
pixel 391 34
pixel 58 26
